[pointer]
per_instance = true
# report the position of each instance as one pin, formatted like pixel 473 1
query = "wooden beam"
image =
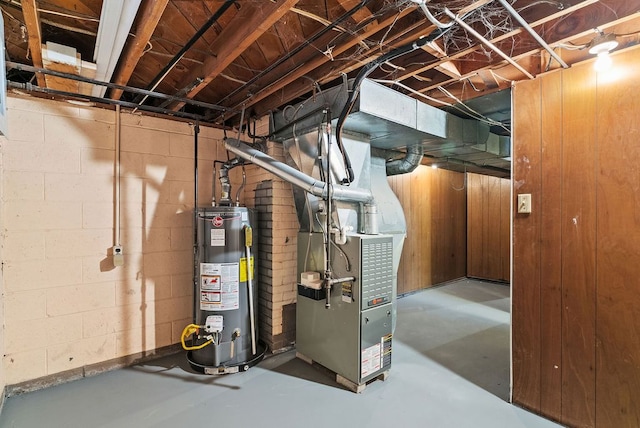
pixel 360 15
pixel 411 33
pixel 320 60
pixel 148 17
pixel 32 21
pixel 247 26
pixel 444 66
pixel 489 79
pixel 592 14
pixel 508 37
pixel 317 18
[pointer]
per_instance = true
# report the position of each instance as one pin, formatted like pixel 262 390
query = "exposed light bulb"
pixel 603 63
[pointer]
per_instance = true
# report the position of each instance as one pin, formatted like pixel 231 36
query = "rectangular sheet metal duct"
pixel 392 120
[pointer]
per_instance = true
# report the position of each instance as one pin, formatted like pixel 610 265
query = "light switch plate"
pixel 524 203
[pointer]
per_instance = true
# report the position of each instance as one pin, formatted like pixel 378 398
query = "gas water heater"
pixel 224 335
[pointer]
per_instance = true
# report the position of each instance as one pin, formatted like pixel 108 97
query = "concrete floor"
pixel 450 369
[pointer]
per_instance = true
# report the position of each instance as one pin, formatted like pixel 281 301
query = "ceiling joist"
pixel 584 20
pixel 148 17
pixel 245 29
pixel 360 15
pixel 261 55
pixel 319 61
pixel 32 21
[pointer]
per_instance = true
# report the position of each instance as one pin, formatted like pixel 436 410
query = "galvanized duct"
pixel 291 175
pixel 393 121
pixel 407 164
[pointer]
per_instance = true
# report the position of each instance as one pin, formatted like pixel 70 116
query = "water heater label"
pixel 217 237
pixel 219 286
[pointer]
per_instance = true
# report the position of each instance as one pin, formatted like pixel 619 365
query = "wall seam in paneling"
pixel 561 187
pixel 595 294
pixel 539 240
pixel 466 222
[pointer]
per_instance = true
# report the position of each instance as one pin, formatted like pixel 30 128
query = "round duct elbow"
pixel 407 164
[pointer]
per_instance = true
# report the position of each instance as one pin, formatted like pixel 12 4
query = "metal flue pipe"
pixel 295 177
pixel 530 30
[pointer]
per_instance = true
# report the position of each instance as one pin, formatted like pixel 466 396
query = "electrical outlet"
pixel 118 257
pixel 524 203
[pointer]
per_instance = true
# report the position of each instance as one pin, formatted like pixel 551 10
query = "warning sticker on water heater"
pixel 219 286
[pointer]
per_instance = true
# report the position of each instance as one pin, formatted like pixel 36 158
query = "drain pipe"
pixel 535 35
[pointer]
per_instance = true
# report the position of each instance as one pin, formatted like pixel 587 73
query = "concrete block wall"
pixel 66 306
pixel 3 381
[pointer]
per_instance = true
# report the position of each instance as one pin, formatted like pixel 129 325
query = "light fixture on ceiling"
pixel 602 45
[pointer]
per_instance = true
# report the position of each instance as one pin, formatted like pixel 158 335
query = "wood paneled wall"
pixel 434 203
pixel 576 286
pixel 488 227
